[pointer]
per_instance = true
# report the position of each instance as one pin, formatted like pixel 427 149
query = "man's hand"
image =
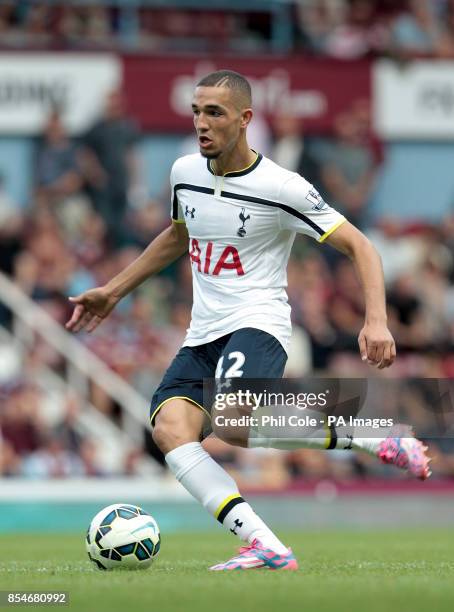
pixel 377 345
pixel 91 308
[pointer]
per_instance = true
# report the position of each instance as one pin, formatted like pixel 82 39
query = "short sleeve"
pixel 303 210
pixel 175 209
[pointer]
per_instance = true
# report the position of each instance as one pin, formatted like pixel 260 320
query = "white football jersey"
pixel 241 229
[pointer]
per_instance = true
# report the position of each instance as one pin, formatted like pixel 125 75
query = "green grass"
pixel 386 571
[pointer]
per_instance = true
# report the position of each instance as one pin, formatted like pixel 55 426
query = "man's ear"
pixel 246 116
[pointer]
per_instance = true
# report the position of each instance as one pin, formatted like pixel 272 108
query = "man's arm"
pixel 375 340
pixel 96 304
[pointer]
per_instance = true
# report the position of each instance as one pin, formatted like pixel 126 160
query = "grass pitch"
pixel 354 571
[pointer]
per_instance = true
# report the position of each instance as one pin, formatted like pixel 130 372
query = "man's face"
pixel 218 120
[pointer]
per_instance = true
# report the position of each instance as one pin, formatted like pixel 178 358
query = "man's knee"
pixel 178 422
pixel 168 435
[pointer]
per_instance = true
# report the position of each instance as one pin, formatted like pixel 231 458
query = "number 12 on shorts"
pixel 233 370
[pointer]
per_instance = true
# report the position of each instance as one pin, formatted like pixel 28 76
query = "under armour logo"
pixel 242 230
pixel 238 524
pixel 350 442
pixel 188 212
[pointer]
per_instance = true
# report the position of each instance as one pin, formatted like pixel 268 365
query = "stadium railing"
pixel 112 443
pixel 82 366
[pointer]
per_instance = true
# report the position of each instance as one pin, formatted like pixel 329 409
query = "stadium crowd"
pixel 89 217
pixel 345 29
pixel 86 222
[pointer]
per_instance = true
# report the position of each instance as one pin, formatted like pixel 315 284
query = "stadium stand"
pixel 61 241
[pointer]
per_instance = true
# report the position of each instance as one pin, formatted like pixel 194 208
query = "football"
pixel 123 536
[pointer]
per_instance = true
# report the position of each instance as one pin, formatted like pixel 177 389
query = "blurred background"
pixel 356 95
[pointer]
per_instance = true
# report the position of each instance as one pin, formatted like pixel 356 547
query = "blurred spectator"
pixel 112 165
pixel 416 31
pixel 89 457
pixel 90 243
pixel 401 251
pixel 259 134
pixel 19 418
pixel 317 19
pixel 361 34
pixel 346 306
pixel 348 167
pixel 446 41
pixel 52 460
pixel 66 429
pixel 291 148
pixel 57 169
pixel 37 30
pixel 147 222
pixel 98 30
pixel 44 266
pixel 406 315
pixel 310 292
pixel 434 288
pixel 10 35
pixel 70 26
pixel 288 141
pixel 59 178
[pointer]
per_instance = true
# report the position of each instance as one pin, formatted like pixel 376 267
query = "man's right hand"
pixel 91 307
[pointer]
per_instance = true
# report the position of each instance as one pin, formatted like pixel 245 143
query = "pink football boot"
pixel 406 452
pixel 256 556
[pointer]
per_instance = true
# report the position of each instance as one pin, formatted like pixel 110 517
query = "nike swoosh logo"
pixel 150 524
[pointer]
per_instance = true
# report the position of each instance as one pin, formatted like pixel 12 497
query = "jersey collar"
pixel 242 172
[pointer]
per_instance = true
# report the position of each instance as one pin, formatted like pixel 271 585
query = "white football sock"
pixel 314 436
pixel 329 442
pixel 210 484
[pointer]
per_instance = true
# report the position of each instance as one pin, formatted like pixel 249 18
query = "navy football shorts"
pixel 245 353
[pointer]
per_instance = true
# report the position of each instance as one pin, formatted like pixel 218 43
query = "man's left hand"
pixel 377 345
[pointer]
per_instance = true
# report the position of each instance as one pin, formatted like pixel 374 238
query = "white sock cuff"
pixel 185 457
